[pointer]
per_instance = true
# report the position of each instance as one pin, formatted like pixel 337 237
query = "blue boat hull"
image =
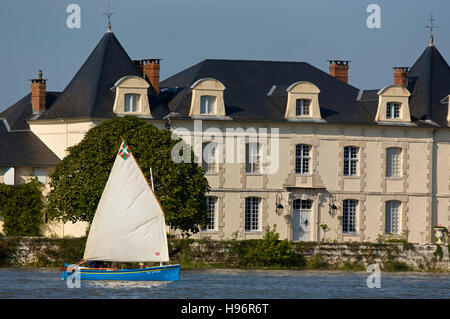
pixel 160 273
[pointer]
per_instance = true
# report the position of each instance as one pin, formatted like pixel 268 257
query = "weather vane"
pixel 108 14
pixel 431 27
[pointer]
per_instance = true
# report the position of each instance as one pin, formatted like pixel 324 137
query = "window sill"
pixel 253 232
pixel 351 177
pixel 350 234
pixel 211 173
pixel 394 178
pixel 205 231
pixel 254 174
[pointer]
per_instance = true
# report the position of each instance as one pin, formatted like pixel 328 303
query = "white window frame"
pixel 209 157
pixel 252 214
pixel 393 161
pixel 349 216
pixel 392 217
pixel 393 110
pixel 302 204
pixel 207 104
pixel 211 208
pixel 41 174
pixel 253 157
pixel 131 102
pixel 9 175
pixel 302 158
pixel 351 160
pixel 302 107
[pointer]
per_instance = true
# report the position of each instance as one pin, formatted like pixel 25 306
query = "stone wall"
pixel 54 252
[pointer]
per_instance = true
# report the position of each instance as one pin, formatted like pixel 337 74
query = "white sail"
pixel 129 224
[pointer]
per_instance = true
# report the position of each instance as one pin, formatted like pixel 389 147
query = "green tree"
pixel 78 181
pixel 272 251
pixel 21 208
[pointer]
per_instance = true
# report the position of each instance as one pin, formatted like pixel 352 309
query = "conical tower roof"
pixel 89 93
pixel 429 83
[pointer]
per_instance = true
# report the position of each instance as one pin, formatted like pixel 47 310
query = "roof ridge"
pixel 91 110
pixel 254 60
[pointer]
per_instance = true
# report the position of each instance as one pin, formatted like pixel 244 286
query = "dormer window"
pixel 207 104
pixel 302 107
pixel 131 102
pixel 303 102
pixel 207 99
pixel 393 105
pixel 393 110
pixel 131 96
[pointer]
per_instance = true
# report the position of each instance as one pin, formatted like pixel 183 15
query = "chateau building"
pixel 339 163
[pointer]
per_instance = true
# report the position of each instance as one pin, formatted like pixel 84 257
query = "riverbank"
pixel 249 254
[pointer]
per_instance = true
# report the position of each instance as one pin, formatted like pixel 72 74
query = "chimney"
pixel 401 75
pixel 339 69
pixel 38 87
pixel 140 66
pixel 150 69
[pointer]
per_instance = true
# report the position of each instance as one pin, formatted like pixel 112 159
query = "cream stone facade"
pixel 422 189
pixel 345 164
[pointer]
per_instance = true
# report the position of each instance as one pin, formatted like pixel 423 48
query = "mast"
pixel 153 188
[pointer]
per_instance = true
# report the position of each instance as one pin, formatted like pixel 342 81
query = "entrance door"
pixel 301 223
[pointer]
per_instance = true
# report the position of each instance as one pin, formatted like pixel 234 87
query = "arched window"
pixel 351 158
pixel 252 212
pixel 392 224
pixel 302 158
pixel 349 216
pixel 393 161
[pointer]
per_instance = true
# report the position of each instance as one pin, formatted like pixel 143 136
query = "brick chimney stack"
pixel 150 70
pixel 339 69
pixel 38 87
pixel 401 75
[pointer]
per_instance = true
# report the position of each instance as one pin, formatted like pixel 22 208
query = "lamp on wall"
pixel 279 207
pixel 332 205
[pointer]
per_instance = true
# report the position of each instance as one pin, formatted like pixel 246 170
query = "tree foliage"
pixel 21 208
pixel 78 181
pixel 267 252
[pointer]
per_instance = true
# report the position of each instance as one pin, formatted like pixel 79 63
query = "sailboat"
pixel 128 226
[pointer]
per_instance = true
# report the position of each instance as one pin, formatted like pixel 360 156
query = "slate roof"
pixel 18 145
pixel 429 84
pixel 89 94
pixel 23 148
pixel 249 82
pixel 19 112
pixel 255 90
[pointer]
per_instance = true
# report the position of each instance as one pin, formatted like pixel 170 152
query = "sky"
pixel 35 35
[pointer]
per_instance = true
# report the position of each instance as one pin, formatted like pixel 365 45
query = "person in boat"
pixel 95 263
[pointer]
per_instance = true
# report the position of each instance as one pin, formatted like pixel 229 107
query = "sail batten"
pixel 129 224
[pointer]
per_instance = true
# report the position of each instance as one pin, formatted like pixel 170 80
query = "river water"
pixel 230 284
